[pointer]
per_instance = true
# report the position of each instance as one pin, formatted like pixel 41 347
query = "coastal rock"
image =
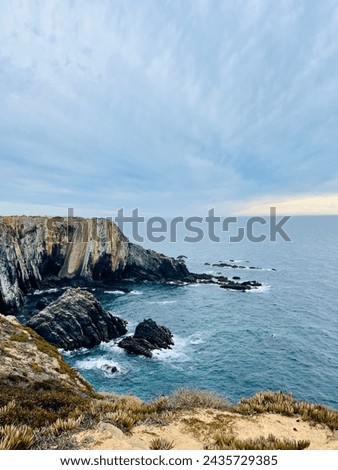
pixel 29 362
pixel 75 320
pixel 136 346
pixel 241 286
pixel 42 303
pixel 42 252
pixel 148 336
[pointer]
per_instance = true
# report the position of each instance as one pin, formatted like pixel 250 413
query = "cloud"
pixel 165 106
pixel 303 204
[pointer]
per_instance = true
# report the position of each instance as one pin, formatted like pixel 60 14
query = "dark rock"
pixel 159 336
pixel 241 286
pixel 236 278
pixel 182 257
pixel 148 336
pixel 206 264
pixel 235 287
pixel 42 303
pixel 110 369
pixel 137 346
pixel 76 320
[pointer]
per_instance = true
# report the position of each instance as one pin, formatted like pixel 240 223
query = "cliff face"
pixel 39 252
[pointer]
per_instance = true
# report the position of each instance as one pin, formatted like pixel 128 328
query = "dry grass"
pixel 186 399
pixel 16 437
pixel 46 413
pixel 64 425
pixel 39 406
pixel 284 404
pixel 230 442
pixel 161 444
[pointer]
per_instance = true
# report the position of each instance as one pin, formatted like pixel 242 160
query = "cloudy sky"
pixel 167 105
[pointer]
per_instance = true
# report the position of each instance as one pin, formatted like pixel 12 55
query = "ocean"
pixel 282 336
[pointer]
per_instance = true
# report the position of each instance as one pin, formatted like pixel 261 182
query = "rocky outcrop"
pixel 41 252
pixel 148 336
pixel 241 286
pixel 27 361
pixel 76 320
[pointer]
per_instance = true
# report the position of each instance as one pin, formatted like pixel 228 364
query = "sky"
pixel 173 107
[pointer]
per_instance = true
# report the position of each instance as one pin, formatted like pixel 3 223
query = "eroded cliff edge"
pixel 40 252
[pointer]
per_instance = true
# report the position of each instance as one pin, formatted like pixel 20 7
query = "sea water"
pixel 282 336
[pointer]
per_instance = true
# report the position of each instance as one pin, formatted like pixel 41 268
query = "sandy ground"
pixel 195 429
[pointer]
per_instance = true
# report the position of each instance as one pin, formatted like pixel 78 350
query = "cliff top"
pixel 45 404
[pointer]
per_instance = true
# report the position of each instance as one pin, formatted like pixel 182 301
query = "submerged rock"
pixel 148 336
pixel 76 320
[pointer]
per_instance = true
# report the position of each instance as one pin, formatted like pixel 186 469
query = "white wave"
pixel 196 338
pixel 47 291
pixel 136 292
pixel 99 363
pixel 119 292
pixel 176 354
pixel 265 288
pixel 74 352
pixel 162 302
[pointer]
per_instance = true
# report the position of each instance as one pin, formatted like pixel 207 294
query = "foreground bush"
pixel 230 442
pixel 284 404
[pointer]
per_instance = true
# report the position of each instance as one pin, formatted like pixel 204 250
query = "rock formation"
pixel 148 336
pixel 40 252
pixel 28 361
pixel 75 320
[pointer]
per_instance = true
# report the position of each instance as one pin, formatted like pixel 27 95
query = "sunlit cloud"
pixel 324 204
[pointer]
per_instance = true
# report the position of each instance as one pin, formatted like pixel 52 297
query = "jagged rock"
pixel 137 346
pixel 41 252
pixel 159 336
pixel 75 320
pixel 148 336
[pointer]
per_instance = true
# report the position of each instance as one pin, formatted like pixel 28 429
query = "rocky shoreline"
pixel 38 253
pixel 75 254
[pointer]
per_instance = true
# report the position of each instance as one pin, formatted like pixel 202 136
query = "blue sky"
pixel 170 106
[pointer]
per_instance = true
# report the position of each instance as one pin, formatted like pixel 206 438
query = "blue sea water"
pixel 283 336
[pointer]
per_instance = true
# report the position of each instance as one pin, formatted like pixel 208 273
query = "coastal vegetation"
pixel 49 415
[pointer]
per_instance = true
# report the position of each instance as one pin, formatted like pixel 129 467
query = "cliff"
pixel 40 252
pixel 29 363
